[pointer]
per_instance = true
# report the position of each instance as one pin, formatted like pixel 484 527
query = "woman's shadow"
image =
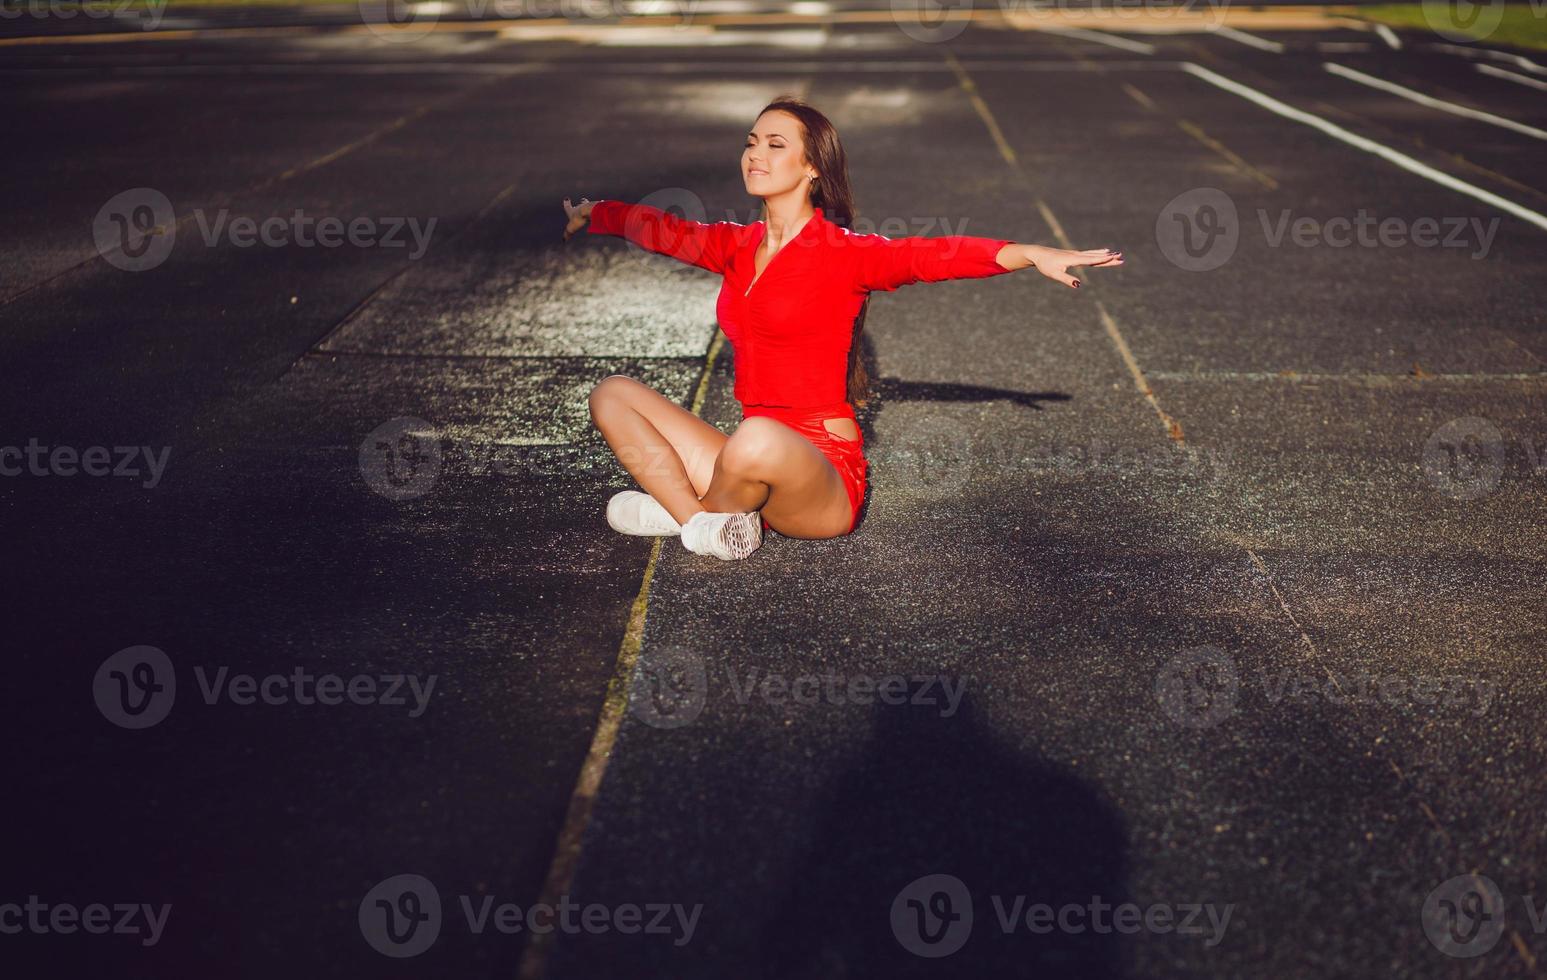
pixel 884 391
pixel 942 836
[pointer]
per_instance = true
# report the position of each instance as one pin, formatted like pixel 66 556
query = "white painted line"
pixel 1101 37
pixel 1369 146
pixel 1389 36
pixel 1511 76
pixel 1433 103
pixel 1250 40
pixel 1474 53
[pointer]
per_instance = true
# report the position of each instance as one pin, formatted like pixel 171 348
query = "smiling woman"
pixel 796 462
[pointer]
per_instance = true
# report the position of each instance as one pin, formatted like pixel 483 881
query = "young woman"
pixel 796 462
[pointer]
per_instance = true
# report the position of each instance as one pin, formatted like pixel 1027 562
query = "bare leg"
pixel 668 449
pixel 768 466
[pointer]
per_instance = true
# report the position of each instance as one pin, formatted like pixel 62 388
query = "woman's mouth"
pixel 757 173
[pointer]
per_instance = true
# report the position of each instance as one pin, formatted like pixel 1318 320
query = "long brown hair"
pixel 830 192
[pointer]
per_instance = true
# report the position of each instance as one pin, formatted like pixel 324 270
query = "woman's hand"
pixel 579 214
pixel 1055 263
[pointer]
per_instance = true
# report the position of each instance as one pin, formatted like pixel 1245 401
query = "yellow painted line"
pixel 582 801
pixel 1138 96
pixel 1196 132
pixel 1172 427
pixel 1053 223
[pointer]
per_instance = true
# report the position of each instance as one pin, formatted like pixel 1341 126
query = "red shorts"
pixel 846 455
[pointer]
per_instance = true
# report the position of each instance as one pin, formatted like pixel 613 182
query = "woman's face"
pixel 773 161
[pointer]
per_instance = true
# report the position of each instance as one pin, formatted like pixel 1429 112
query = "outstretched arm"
pixel 882 263
pixel 708 246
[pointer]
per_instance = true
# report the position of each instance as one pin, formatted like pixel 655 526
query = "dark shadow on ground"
pixel 938 795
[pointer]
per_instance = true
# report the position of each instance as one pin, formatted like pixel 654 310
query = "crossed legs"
pixel 690 466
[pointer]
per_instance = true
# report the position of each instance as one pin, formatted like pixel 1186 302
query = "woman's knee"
pixel 608 392
pixel 754 448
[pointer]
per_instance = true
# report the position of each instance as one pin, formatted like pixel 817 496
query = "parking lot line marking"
pixel 1250 40
pixel 1172 427
pixel 1101 37
pixel 571 839
pixel 1511 76
pixel 1369 146
pixel 582 801
pixel 1453 108
pixel 1474 53
pixel 1389 36
pixel 1138 96
pixel 1196 132
pixel 1364 379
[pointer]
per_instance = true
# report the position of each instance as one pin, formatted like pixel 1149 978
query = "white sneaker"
pixel 726 536
pixel 633 512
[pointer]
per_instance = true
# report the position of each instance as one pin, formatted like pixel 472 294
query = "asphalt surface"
pixel 1214 588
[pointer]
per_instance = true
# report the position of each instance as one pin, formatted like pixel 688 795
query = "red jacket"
pixel 792 328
